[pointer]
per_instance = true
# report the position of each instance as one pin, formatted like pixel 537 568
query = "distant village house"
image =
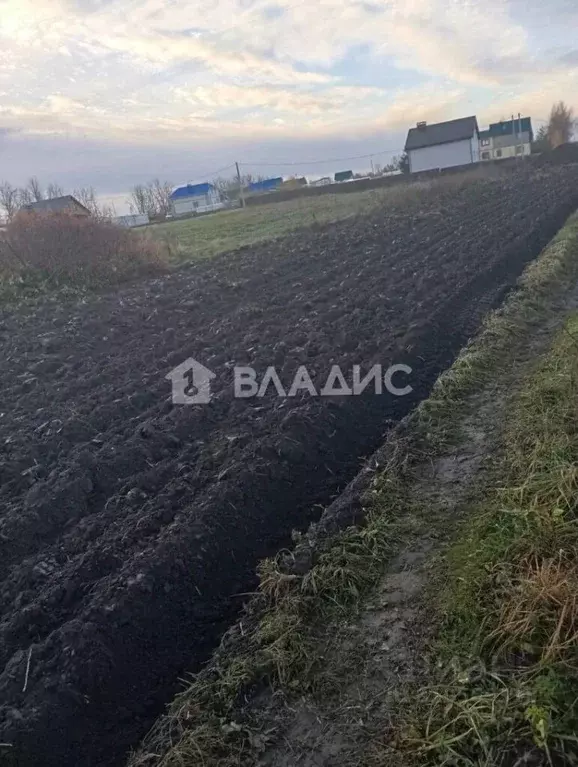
pixel 265 185
pixel 343 175
pixel 443 145
pixel 196 198
pixel 508 138
pixel 67 204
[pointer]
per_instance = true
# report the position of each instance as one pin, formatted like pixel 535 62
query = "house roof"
pixel 56 204
pixel 267 183
pixel 508 127
pixel 191 190
pixel 343 175
pixel 441 133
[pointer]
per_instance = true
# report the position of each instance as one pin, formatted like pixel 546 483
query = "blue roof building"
pixel 196 198
pixel 267 185
pixel 508 138
pixel 191 190
pixel 509 128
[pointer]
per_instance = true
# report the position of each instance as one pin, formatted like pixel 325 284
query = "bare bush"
pixel 86 195
pixel 9 199
pixel 154 198
pixel 66 249
pixel 561 125
pixel 53 191
pixel 35 189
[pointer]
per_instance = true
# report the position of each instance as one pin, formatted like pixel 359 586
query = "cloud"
pixel 167 49
pixel 537 99
pixel 155 70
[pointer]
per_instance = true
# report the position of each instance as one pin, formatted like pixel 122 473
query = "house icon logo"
pixel 191 383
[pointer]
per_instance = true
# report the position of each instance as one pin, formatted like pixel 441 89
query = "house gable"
pixel 424 135
pixel 66 204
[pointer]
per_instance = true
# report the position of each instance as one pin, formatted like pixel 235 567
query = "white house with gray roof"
pixel 443 145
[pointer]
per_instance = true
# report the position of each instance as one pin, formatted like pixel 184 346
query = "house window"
pixel 485 155
pixel 485 142
pixel 498 152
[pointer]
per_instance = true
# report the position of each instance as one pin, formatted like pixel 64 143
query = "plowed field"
pixel 130 527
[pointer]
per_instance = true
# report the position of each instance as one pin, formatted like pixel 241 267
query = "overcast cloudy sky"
pixel 113 92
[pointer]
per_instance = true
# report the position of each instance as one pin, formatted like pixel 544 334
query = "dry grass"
pixel 540 599
pixel 39 251
pixel 508 692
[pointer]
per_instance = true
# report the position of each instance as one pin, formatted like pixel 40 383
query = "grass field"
pixel 208 235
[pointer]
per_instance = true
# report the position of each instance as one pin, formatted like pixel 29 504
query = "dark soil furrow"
pixel 130 526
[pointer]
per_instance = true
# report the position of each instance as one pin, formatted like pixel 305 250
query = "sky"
pixel 111 93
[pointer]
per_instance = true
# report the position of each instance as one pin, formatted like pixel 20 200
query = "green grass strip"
pixel 509 643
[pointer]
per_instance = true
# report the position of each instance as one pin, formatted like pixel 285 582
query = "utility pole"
pixel 372 168
pixel 241 193
pixel 520 136
pixel 515 135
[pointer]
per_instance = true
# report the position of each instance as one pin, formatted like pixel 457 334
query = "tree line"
pixel 13 198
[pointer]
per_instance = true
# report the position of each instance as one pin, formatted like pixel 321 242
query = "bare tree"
pixel 54 190
pixel 229 187
pixel 25 196
pixel 560 125
pixel 86 195
pixel 160 192
pixel 9 199
pixel 153 198
pixel 140 199
pixel 107 211
pixel 35 189
pixel 392 165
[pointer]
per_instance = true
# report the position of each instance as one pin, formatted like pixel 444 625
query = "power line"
pixel 321 162
pixel 210 174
